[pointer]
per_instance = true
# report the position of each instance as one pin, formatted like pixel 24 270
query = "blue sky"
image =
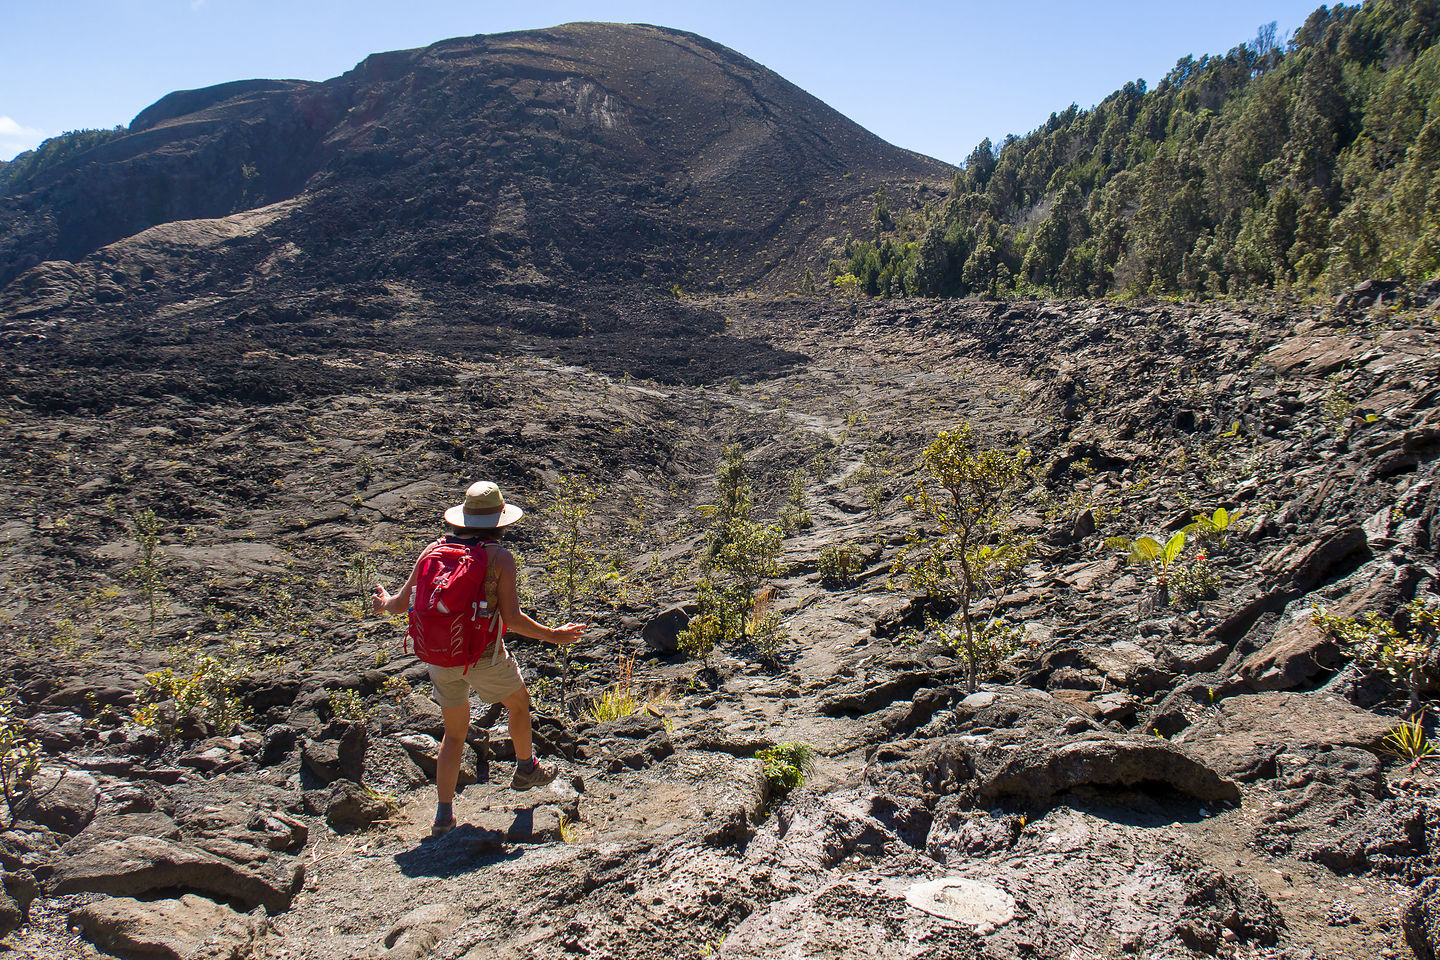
pixel 929 76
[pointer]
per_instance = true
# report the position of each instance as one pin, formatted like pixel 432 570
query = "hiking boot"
pixel 537 776
pixel 439 829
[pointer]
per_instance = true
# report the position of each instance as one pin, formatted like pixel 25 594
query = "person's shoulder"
pixel 499 554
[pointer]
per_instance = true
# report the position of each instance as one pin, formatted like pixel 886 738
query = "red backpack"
pixel 450 623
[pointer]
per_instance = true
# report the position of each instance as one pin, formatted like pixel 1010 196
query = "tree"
pixel 979 272
pixel 880 216
pixel 147 564
pixel 928 271
pixel 972 550
pixel 739 555
pixel 733 502
pixel 979 166
pixel 573 564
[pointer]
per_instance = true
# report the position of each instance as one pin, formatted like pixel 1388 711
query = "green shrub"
pixel 619 701
pixel 767 638
pixel 347 705
pixel 739 554
pixel 1337 404
pixel 1216 526
pixel 839 565
pixel 1408 741
pixel 787 764
pixel 1192 582
pixel 1149 551
pixel 994 640
pixel 1402 652
pixel 207 692
pixel 361 575
pixel 19 762
pixel 147 566
pixel 793 515
pixel 713 625
pixel 572 561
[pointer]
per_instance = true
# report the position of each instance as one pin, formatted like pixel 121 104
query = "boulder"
pixel 1083 525
pixel 390 769
pixel 1420 921
pixel 56 732
pixel 1038 771
pixel 1130 666
pixel 1300 567
pixel 11 916
pixel 283 833
pixel 621 753
pixel 22 888
pixel 190 928
pixel 341 753
pixel 1242 737
pixel 424 750
pixel 663 629
pixel 1300 653
pixel 280 740
pixel 63 800
pixel 957 834
pixel 137 865
pixel 353 807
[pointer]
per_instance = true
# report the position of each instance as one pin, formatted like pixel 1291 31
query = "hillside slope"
pixel 587 152
pixel 1308 165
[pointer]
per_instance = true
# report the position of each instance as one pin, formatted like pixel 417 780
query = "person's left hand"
pixel 568 634
pixel 379 596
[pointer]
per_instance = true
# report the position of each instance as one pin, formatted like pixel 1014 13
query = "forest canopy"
pixel 1305 166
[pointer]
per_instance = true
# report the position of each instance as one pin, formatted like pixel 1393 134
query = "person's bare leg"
pixel 517 705
pixel 447 764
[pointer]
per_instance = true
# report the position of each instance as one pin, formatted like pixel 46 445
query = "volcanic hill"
pixel 588 152
pixel 256 343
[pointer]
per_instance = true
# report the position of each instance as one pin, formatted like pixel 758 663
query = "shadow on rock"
pixel 463 850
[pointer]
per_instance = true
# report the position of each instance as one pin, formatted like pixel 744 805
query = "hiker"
pixel 471 653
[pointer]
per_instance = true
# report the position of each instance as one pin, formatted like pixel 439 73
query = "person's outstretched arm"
pixel 516 619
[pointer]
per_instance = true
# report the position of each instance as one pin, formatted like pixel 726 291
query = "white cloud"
pixel 9 128
pixel 15 138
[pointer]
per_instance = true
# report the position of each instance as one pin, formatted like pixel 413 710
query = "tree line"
pixel 1303 166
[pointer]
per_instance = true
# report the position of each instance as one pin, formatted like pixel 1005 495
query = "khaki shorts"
pixel 494 676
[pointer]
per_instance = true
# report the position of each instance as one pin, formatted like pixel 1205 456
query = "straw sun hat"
pixel 484 509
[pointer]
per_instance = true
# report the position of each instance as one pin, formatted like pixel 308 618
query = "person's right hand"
pixel 568 634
